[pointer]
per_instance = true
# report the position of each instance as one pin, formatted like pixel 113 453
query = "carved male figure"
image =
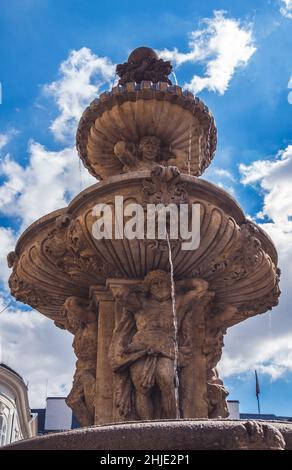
pixel 144 339
pixel 82 322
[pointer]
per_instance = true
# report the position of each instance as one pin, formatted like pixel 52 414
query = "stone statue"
pixel 144 64
pixel 143 155
pixel 82 322
pixel 143 344
pixel 217 393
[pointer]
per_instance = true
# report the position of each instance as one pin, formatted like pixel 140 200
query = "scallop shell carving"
pixel 182 123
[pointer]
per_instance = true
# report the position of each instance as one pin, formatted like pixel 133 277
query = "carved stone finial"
pixel 141 53
pixel 143 64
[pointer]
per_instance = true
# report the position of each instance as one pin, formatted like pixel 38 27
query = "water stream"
pixel 175 79
pixel 175 325
pixel 190 149
pixel 136 109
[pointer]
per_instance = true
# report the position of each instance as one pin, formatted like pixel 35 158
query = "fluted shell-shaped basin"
pixel 57 256
pixel 183 124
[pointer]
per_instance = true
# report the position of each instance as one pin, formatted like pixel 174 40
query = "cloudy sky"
pixel 57 56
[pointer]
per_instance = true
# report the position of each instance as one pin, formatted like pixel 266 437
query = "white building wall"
pixel 58 415
pixel 16 421
pixel 233 407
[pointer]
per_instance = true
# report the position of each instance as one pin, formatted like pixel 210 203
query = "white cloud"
pixel 47 183
pixel 81 77
pixel 222 45
pixel 265 342
pixel 275 178
pixel 286 8
pixel 225 173
pixel 50 178
pixel 5 138
pixel 38 351
pixel 215 171
pixel 222 177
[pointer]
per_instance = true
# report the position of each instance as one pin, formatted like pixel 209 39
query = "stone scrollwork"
pixel 253 435
pixel 22 289
pixel 25 292
pixel 54 245
pixel 89 258
pixel 164 187
pixel 68 248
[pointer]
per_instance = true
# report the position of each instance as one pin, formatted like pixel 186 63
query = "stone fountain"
pixel 148 317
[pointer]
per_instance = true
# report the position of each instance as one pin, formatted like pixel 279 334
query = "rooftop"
pixel 5 366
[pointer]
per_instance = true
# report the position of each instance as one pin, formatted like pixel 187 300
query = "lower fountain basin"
pixel 169 435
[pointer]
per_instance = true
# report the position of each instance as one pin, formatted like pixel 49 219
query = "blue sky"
pixel 253 159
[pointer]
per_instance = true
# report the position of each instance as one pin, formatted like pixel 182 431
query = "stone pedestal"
pixel 103 301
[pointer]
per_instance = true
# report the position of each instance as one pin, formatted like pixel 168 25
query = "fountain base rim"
pixel 184 434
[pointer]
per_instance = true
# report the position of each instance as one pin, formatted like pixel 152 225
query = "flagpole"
pixel 257 391
pixel 259 408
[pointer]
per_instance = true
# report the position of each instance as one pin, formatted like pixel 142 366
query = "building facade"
pixel 16 420
pixel 56 417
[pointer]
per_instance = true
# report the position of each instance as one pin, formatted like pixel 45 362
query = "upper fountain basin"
pixel 57 256
pixel 181 124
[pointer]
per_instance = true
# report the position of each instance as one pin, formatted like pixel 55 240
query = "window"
pixel 3 430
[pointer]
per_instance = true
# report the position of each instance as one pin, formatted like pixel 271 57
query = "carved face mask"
pixel 160 289
pixel 150 148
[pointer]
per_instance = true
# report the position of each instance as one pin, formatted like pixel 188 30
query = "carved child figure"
pixel 143 341
pixel 141 156
pixel 82 322
pixel 144 155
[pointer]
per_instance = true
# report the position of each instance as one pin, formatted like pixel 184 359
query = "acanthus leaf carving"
pixel 164 187
pixel 88 258
pixel 68 249
pixel 242 257
pixel 26 292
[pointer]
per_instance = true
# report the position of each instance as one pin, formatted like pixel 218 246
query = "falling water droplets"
pixel 175 79
pixel 175 325
pixel 200 147
pixel 136 109
pixel 190 149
